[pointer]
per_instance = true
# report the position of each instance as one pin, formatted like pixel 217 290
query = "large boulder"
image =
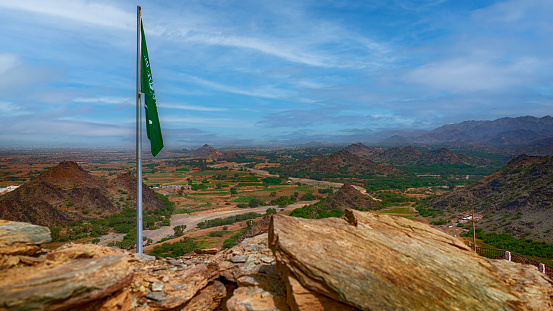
pixel 20 238
pixel 66 286
pixel 378 262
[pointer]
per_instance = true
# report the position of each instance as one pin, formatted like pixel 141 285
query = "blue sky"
pixel 238 73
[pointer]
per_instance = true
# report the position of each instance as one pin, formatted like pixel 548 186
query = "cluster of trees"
pixel 508 242
pixel 316 211
pixel 186 245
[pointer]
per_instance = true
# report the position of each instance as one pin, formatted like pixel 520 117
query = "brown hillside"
pixel 517 199
pixel 340 162
pixel 349 197
pixel 411 156
pixel 363 151
pixel 206 152
pixel 66 192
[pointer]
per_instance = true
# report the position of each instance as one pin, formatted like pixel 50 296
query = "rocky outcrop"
pixel 91 277
pixel 366 261
pixel 380 262
pixel 349 197
pixel 251 265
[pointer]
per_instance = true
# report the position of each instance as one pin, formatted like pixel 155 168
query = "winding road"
pixel 192 220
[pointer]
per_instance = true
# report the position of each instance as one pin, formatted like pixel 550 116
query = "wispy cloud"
pixel 190 107
pixel 81 11
pixel 266 91
pixel 106 100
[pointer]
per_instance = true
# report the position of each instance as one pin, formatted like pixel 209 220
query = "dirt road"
pixel 192 220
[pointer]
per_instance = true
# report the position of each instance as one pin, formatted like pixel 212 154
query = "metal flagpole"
pixel 138 135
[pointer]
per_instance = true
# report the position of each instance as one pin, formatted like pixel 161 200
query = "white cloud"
pixel 266 92
pixel 106 100
pixel 212 122
pixel 190 107
pixel 81 11
pixel 8 109
pixel 15 73
pixel 472 74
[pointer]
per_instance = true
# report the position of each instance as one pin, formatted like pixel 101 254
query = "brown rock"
pixel 19 249
pixel 531 286
pixel 64 287
pixel 21 232
pixel 300 298
pixel 31 260
pixel 247 258
pixel 121 301
pixel 206 251
pixel 208 298
pixel 185 284
pixel 386 263
pixel 9 261
pixel 69 254
pixel 255 298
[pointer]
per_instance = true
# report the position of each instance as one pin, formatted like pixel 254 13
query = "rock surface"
pixel 251 265
pixel 380 262
pixel 366 261
pixel 64 286
pixel 20 238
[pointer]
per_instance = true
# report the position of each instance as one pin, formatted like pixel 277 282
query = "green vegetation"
pixel 440 222
pixel 186 245
pixel 508 242
pixel 391 198
pixel 231 242
pixel 399 210
pixel 272 180
pixel 316 211
pixel 228 220
pixel 218 233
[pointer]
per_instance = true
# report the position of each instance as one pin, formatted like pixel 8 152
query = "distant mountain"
pixel 206 152
pixel 411 156
pixel 500 132
pixel 517 199
pixel 349 197
pixel 66 192
pixel 542 147
pixel 341 162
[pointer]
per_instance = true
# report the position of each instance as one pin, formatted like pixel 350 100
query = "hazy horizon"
pixel 250 73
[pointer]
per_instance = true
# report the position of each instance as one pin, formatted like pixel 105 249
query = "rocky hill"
pixel 206 152
pixel 349 197
pixel 517 199
pixel 340 163
pixel 66 192
pixel 500 132
pixel 363 151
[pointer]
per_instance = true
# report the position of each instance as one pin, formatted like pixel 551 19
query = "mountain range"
pixel 501 132
pixel 411 156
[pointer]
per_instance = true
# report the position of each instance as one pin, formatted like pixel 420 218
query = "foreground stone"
pixel 20 238
pixel 65 286
pixel 251 265
pixel 379 262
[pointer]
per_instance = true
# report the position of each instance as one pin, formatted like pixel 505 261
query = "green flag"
pixel 146 85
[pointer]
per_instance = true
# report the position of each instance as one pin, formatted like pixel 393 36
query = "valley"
pixel 190 188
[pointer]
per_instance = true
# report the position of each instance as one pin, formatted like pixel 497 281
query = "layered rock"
pixel 251 265
pixel 92 277
pixel 380 262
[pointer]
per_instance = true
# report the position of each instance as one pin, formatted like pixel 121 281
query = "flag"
pixel 146 85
